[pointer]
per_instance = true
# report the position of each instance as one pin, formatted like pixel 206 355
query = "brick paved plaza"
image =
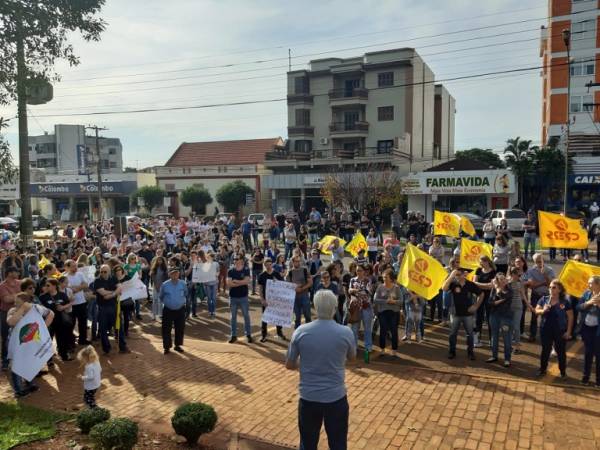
pixel 420 401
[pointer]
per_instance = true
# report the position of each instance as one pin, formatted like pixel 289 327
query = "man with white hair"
pixel 323 347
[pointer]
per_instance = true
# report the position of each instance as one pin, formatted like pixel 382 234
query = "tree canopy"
pixel 8 170
pixel 486 156
pixel 233 195
pixel 197 198
pixel 151 195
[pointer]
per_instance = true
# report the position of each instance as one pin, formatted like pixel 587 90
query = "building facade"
pixel 358 114
pixel 70 152
pixel 582 19
pixel 213 164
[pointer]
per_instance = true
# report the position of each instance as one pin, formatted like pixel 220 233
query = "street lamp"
pixel 566 35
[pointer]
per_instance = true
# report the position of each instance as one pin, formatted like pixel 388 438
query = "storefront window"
pixel 476 204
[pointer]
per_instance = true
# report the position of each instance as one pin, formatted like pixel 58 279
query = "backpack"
pixel 354 309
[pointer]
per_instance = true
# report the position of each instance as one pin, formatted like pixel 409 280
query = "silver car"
pixel 514 218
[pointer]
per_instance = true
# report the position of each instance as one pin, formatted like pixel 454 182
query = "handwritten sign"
pixel 280 297
pixel 204 272
pixel 134 289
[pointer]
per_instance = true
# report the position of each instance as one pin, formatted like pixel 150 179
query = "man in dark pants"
pixel 173 295
pixel 268 274
pixel 323 347
pixel 78 285
pixel 537 278
pixel 106 290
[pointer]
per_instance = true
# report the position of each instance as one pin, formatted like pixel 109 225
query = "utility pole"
pixel 24 181
pixel 99 167
pixel 289 59
pixel 566 35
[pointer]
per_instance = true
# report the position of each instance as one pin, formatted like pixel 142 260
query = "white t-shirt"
pixel 76 280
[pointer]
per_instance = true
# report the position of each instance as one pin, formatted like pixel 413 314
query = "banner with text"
pixel 280 296
pixel 557 231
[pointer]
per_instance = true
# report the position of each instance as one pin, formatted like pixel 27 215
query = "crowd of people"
pixel 75 281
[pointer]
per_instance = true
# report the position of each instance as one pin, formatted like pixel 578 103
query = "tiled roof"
pixel 250 151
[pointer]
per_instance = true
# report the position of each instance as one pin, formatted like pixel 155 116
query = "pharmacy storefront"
pixel 473 191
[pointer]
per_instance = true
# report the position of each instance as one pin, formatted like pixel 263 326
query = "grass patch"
pixel 22 423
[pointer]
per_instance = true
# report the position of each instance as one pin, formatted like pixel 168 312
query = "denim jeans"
pixel 467 323
pixel 529 245
pixel 591 341
pixel 516 321
pixel 138 307
pixel 436 303
pixel 388 322
pixel 211 293
pixel 289 247
pixel 314 237
pixel 414 321
pixel 366 318
pixel 311 416
pixel 92 313
pixel 234 304
pixel 191 303
pixel 17 383
pixel 501 323
pixel 106 322
pixel 302 307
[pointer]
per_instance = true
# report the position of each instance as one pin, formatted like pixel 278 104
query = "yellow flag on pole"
pixel 561 232
pixel 118 318
pixel 43 262
pixel 421 273
pixel 327 241
pixel 575 275
pixel 467 226
pixel 357 243
pixel 446 224
pixel 471 251
pixel 149 233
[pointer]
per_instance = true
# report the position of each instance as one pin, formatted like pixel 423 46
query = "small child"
pixel 414 315
pixel 92 374
pixel 361 258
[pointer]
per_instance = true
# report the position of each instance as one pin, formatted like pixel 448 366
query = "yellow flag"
pixel 467 226
pixel 471 251
pixel 446 224
pixel 421 273
pixel 149 233
pixel 118 318
pixel 561 232
pixel 575 275
pixel 357 243
pixel 327 241
pixel 43 262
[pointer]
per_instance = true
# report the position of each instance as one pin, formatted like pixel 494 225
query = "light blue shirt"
pixel 173 295
pixel 323 347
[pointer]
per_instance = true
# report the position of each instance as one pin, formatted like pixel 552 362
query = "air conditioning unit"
pixel 324 141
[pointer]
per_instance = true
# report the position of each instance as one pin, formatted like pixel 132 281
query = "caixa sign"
pixel 585 179
pixel 61 189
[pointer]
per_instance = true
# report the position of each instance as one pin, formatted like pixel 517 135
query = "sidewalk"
pixel 393 405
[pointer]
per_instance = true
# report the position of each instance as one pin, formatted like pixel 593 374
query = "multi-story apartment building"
pixel 349 114
pixel 582 19
pixel 70 152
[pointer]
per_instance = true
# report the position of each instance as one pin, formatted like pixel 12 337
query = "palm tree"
pixel 518 156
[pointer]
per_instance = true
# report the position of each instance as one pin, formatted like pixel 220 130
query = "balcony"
pixel 300 98
pixel 301 130
pixel 343 97
pixel 348 129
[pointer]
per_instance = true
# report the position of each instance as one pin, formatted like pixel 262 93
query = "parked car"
pixel 476 220
pixel 40 222
pixel 260 219
pixel 8 223
pixel 514 218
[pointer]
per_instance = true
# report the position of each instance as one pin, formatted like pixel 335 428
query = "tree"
pixel 374 186
pixel 486 156
pixel 518 157
pixel 196 198
pixel 8 171
pixel 151 195
pixel 33 37
pixel 233 195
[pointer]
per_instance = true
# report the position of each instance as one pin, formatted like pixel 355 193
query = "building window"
pixel 301 85
pixel 112 151
pixel 105 163
pixel 582 30
pixel 303 146
pixel 303 117
pixel 578 102
pixel 113 165
pixel 385 113
pixel 385 147
pixel 385 79
pixel 582 68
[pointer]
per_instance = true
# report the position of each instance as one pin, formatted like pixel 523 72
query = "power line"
pixel 288 45
pixel 217 105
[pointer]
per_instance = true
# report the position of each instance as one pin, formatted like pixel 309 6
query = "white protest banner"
pixel 89 273
pixel 30 345
pixel 280 296
pixel 204 272
pixel 134 289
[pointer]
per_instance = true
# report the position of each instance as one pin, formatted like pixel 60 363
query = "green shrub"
pixel 115 434
pixel 192 420
pixel 87 418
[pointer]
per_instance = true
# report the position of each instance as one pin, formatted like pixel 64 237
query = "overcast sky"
pixel 197 52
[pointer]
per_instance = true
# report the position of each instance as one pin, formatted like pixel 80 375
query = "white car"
pixel 260 219
pixel 514 218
